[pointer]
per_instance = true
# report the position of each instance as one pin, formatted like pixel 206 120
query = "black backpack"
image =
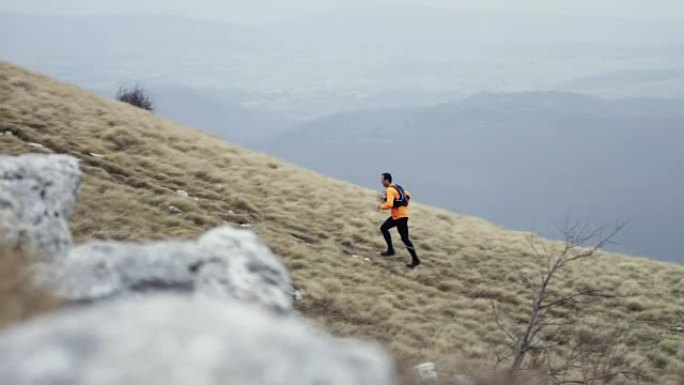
pixel 403 200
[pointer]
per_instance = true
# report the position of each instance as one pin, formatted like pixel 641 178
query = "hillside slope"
pixel 441 312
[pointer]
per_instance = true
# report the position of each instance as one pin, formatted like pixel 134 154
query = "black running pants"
pixel 402 226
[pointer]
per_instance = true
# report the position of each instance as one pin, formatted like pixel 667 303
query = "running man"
pixel 396 200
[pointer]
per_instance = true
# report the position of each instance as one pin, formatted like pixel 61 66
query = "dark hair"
pixel 387 176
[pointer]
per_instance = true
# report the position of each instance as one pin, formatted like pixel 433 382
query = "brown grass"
pixel 19 299
pixel 440 313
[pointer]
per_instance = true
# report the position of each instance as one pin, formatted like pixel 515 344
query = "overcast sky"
pixel 262 10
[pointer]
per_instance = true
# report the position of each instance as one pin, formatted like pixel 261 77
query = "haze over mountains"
pixel 370 58
pixel 454 103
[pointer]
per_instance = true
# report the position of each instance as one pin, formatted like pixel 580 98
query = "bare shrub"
pixel 560 347
pixel 136 96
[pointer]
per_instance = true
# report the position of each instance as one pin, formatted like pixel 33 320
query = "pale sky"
pixel 263 10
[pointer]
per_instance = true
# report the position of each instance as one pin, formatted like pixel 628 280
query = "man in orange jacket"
pixel 396 200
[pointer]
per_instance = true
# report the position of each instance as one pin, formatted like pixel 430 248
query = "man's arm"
pixel 389 203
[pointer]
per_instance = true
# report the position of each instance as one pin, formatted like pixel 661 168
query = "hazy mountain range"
pixel 219 112
pixel 375 57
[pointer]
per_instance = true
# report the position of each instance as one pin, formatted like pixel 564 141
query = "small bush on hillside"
pixel 136 96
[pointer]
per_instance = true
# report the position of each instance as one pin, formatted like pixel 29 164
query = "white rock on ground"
pixel 297 295
pixel 225 262
pixel 182 193
pixel 173 340
pixel 37 194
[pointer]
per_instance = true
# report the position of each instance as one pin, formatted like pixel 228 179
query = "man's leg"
pixel 385 228
pixel 402 226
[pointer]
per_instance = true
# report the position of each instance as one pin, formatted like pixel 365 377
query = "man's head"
pixel 386 179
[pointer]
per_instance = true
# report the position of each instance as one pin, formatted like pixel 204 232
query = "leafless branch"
pixel 581 293
pixel 497 319
pixel 533 340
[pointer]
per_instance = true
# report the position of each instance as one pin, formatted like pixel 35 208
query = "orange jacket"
pixel 396 212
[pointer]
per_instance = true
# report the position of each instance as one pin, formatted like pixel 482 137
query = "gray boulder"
pixel 37 194
pixel 225 262
pixel 176 340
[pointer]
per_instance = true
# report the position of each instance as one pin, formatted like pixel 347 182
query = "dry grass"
pixel 440 312
pixel 19 299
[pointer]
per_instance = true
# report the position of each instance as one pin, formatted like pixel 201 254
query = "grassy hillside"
pixel 440 312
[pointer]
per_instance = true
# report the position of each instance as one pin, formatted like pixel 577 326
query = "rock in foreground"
pixel 225 262
pixel 176 340
pixel 37 194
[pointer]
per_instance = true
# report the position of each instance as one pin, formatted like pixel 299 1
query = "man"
pixel 396 200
